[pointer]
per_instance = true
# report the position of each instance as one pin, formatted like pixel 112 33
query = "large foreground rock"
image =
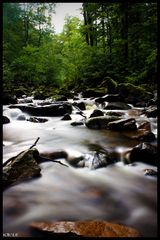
pixel 22 167
pixel 100 122
pixel 94 228
pixel 55 109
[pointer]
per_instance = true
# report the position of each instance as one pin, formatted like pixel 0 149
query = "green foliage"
pixel 117 40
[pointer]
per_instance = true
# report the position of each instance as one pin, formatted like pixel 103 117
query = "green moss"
pixel 110 84
pixel 128 89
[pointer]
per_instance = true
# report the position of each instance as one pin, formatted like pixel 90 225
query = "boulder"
pixel 117 106
pixel 150 172
pixel 96 113
pixel 146 137
pixel 118 114
pixel 80 105
pixel 144 152
pixel 141 135
pixel 151 112
pixel 21 117
pixel 37 120
pixel 93 93
pixel 110 84
pixel 145 126
pixel 77 123
pixel 6 120
pixel 21 167
pixel 100 122
pixel 55 109
pixel 66 117
pixel 123 125
pixel 99 100
pixel 86 228
pixel 135 93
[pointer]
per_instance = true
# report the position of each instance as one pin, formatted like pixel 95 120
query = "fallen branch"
pixel 42 159
pixel 80 112
pixel 35 143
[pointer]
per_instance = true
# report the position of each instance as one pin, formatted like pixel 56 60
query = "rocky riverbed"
pixel 110 148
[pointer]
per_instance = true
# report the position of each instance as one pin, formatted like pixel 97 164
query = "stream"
pixel 117 193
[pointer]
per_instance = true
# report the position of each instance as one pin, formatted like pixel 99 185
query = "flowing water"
pixel 118 193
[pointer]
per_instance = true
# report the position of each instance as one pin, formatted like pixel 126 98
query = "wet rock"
pixel 147 137
pixel 118 114
pixel 145 126
pixel 117 106
pixel 123 125
pixel 80 105
pixel 132 93
pixel 150 172
pixel 151 112
pixel 6 120
pixel 22 167
pixel 96 113
pixel 98 159
pixel 110 84
pixel 77 123
pixel 21 117
pixel 93 93
pixel 37 120
pixel 144 152
pixel 100 122
pixel 99 100
pixel 55 109
pixel 141 135
pixel 66 117
pixel 88 228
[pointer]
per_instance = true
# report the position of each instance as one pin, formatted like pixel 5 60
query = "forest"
pixel 116 43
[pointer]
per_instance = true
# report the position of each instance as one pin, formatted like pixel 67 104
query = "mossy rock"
pixel 110 84
pixel 94 92
pixel 128 89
